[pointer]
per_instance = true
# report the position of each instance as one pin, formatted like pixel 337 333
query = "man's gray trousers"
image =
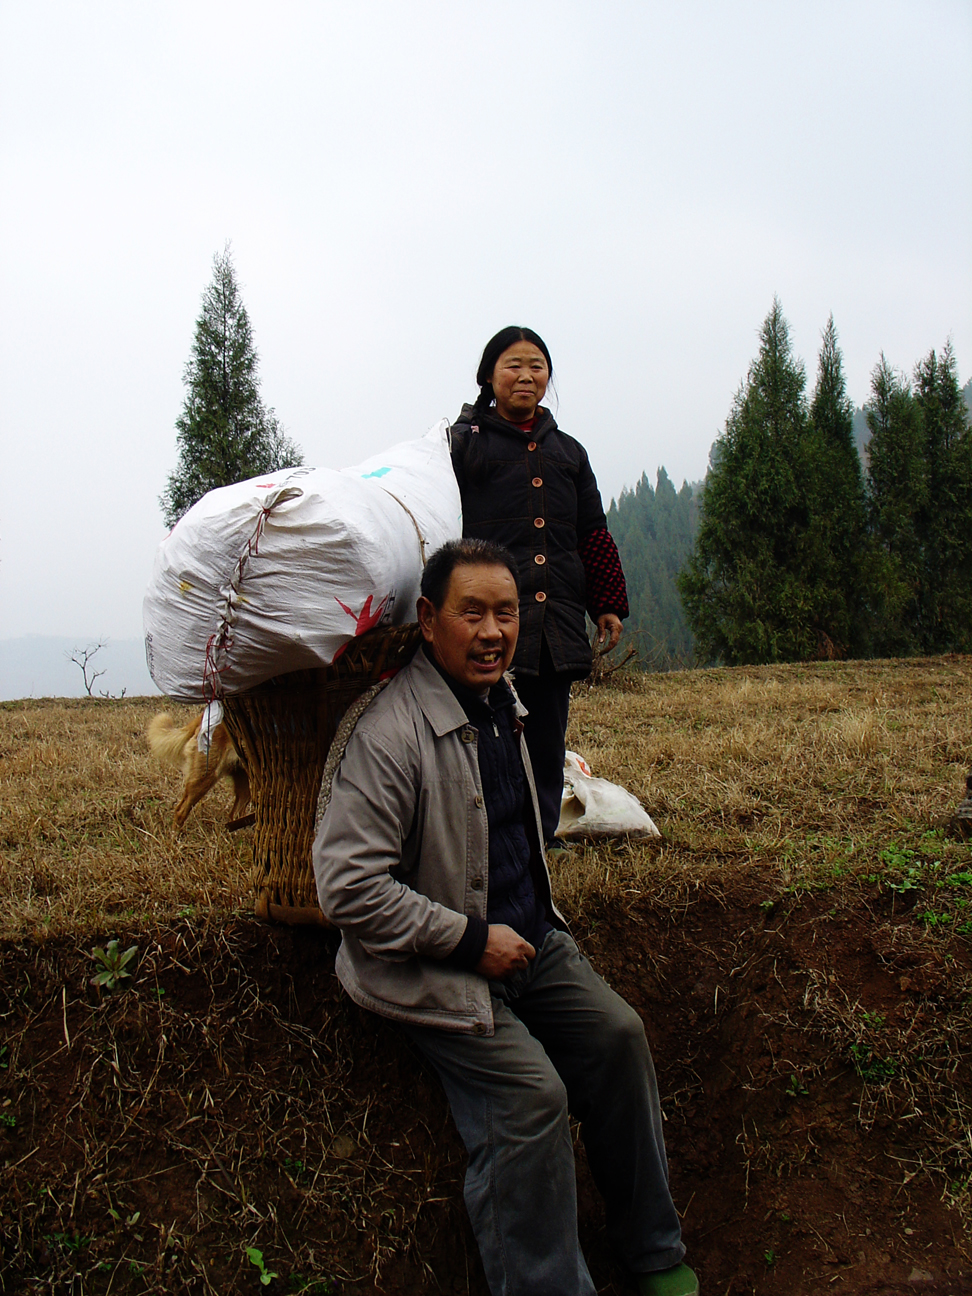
pixel 563 1041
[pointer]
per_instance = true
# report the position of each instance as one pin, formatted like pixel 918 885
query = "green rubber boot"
pixel 678 1281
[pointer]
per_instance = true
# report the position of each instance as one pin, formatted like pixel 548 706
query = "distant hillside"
pixel 654 529
pixel 40 666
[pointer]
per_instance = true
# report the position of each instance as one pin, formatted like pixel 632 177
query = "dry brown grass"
pixel 86 823
pixel 804 772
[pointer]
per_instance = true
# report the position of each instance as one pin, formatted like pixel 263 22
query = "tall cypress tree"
pixel 225 432
pixel 920 496
pixel 744 587
pixel 947 613
pixel 897 490
pixel 837 557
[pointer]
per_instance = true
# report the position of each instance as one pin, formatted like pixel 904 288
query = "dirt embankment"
pixel 812 1050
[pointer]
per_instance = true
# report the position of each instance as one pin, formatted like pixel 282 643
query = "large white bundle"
pixel 279 573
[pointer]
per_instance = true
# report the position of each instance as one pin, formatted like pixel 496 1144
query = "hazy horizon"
pixel 635 181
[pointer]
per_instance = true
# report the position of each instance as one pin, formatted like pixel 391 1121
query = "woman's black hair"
pixel 494 348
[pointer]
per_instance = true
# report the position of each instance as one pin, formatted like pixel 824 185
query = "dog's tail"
pixel 168 742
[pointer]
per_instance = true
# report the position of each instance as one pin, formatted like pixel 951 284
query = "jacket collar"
pixel 439 704
pixel 545 423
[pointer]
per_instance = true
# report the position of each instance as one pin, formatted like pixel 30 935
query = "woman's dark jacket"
pixel 535 493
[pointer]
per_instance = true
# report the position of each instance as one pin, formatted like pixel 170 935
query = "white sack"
pixel 593 807
pixel 279 573
pixel 211 718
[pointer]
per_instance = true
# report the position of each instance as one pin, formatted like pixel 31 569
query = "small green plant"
pixel 932 919
pixel 68 1241
pixel 796 1089
pixel 870 1067
pixel 132 1219
pixel 769 1255
pixel 114 965
pixel 910 880
pixel 255 1257
pixel 874 1019
pixel 8 1119
pixel 897 857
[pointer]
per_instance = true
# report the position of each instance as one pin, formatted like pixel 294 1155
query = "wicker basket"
pixel 282 730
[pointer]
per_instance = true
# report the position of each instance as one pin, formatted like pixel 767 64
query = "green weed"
pixel 871 1068
pixel 69 1241
pixel 255 1257
pixel 114 965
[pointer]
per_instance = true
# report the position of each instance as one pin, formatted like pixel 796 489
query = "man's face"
pixel 473 634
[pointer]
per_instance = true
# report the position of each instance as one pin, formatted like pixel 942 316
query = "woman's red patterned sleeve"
pixel 606 590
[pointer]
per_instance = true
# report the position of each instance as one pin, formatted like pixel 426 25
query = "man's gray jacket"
pixel 401 855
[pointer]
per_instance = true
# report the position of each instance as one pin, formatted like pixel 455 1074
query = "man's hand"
pixel 505 953
pixel 608 625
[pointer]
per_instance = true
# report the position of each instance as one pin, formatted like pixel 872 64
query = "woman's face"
pixel 519 381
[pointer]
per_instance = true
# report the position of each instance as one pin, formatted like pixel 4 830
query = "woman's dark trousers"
pixel 547 697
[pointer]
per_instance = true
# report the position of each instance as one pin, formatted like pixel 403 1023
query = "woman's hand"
pixel 608 624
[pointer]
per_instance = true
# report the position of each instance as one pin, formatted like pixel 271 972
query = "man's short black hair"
pixel 463 553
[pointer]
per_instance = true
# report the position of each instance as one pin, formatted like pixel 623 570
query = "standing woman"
pixel 529 486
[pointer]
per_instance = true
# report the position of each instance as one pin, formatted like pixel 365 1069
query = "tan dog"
pixel 179 747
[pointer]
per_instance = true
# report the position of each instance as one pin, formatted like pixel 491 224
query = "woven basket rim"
pixel 355 663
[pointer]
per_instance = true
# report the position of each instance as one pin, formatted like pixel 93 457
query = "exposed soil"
pixel 809 1050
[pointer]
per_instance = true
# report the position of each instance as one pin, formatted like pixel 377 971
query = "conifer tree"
pixel 744 587
pixel 946 523
pixel 920 497
pixel 897 492
pixel 225 432
pixel 837 556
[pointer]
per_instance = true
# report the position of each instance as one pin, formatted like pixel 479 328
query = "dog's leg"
pixel 197 784
pixel 241 787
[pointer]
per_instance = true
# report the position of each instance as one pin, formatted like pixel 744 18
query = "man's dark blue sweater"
pixel 511 897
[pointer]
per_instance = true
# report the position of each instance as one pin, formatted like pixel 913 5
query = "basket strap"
pixel 340 741
pixel 423 543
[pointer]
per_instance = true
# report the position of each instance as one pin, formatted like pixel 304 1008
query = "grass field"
pixel 799 944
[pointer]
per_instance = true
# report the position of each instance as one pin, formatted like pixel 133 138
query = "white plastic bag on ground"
pixel 593 807
pixel 279 573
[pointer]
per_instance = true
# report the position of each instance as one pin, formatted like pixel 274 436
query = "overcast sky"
pixel 400 179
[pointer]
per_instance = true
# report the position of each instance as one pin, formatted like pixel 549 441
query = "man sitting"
pixel 429 860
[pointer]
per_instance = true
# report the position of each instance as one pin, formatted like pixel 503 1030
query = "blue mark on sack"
pixel 379 472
